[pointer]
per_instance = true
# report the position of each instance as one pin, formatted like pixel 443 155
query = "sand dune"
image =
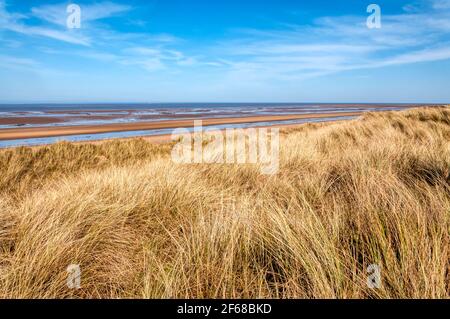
pixel 348 195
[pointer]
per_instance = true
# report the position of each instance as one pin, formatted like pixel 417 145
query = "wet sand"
pixel 37 132
pixel 18 121
pixel 169 138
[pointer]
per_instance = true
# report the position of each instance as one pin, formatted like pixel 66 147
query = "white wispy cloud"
pixel 147 58
pixel 441 4
pixel 148 64
pixel 17 63
pixel 327 45
pixel 154 58
pixel 28 65
pixel 55 16
pixel 338 44
pixel 15 22
pixel 105 41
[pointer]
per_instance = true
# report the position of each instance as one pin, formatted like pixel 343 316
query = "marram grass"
pixel 375 190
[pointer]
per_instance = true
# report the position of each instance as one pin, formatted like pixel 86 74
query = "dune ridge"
pixel 375 190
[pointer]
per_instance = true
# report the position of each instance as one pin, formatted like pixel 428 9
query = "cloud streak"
pixel 338 44
pixel 14 22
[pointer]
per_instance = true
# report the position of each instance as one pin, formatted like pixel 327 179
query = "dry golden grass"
pixel 372 190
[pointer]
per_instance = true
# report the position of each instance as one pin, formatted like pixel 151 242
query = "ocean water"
pixel 191 106
pixel 37 115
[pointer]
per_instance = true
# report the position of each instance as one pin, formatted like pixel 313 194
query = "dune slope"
pixel 375 190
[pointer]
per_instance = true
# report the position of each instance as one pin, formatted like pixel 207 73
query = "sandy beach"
pixel 37 132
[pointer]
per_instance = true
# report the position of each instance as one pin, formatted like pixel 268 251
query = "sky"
pixel 224 51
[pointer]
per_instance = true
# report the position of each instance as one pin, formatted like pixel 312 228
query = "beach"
pixel 31 125
pixel 38 132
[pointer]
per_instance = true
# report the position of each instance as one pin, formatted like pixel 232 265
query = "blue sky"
pixel 225 51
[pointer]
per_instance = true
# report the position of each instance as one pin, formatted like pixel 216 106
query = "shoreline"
pixel 167 138
pixel 42 132
pixel 164 138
